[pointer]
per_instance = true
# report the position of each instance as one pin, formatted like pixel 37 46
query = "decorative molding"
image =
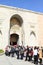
pixel 32 32
pixel 0 32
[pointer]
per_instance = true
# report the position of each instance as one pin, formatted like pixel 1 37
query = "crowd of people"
pixel 29 53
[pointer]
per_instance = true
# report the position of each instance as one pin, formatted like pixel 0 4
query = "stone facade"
pixel 21 26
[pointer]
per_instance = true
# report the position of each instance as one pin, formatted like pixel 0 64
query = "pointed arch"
pixel 32 32
pixel 0 32
pixel 16 19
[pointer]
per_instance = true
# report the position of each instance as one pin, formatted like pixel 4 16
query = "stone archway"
pixel 16 26
pixel 16 20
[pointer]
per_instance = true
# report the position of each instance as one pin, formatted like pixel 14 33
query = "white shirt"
pixel 35 52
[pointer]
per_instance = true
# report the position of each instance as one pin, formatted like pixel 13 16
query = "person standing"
pixel 40 56
pixel 35 53
pixel 22 53
pixel 27 54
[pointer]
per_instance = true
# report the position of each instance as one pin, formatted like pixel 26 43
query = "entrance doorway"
pixel 14 39
pixel 16 28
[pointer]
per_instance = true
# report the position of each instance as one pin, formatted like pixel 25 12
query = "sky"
pixel 34 5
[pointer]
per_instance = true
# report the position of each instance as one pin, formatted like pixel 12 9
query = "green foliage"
pixel 1 51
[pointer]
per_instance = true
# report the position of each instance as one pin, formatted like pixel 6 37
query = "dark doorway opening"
pixel 14 39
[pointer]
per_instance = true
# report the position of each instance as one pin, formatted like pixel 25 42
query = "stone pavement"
pixel 5 60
